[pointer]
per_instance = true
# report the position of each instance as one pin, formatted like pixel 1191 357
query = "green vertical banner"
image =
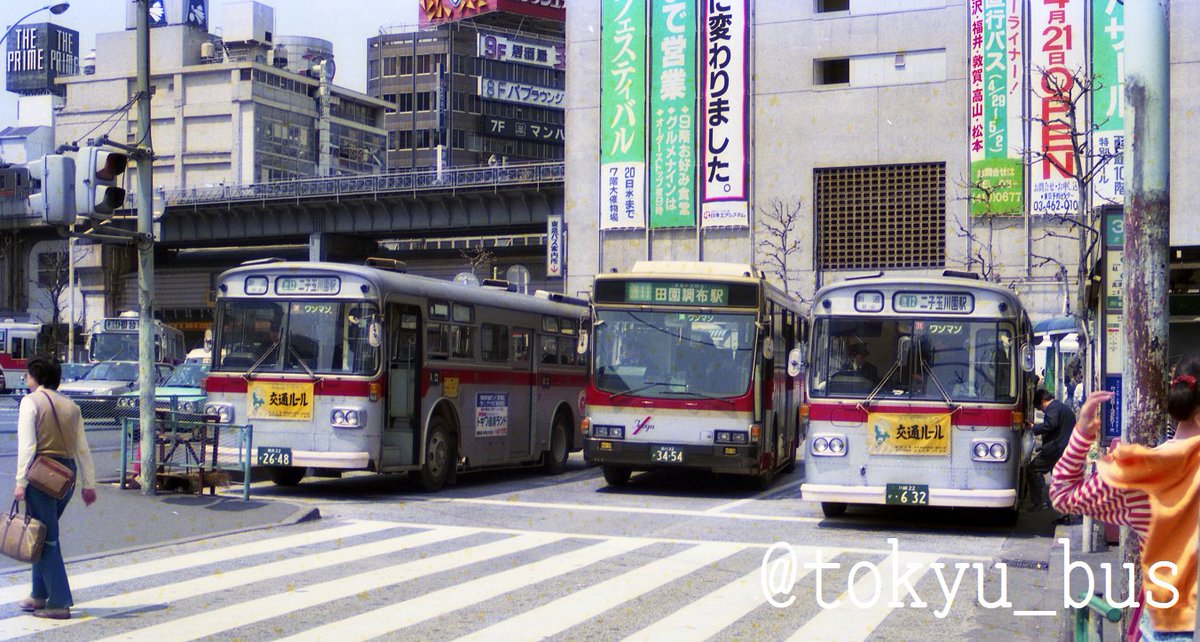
pixel 1108 102
pixel 623 114
pixel 996 81
pixel 672 113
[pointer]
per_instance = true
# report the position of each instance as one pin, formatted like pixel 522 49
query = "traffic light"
pixel 54 178
pixel 98 193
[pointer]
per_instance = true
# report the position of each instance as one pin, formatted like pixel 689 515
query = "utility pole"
pixel 144 156
pixel 1147 221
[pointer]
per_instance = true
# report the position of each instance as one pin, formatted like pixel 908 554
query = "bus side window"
pixel 549 349
pixel 493 343
pixel 520 345
pixel 436 341
pixel 566 351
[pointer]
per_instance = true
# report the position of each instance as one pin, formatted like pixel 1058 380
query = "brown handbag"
pixel 21 536
pixel 48 474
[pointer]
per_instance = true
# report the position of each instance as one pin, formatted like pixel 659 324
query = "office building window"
pixel 833 71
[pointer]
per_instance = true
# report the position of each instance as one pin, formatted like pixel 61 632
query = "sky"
pixel 346 23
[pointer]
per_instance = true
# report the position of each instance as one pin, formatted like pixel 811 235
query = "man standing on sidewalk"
pixel 1057 423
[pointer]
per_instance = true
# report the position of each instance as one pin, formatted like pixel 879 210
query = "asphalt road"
pixel 518 555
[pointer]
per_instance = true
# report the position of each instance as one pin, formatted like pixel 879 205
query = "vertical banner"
pixel 726 109
pixel 1056 30
pixel 672 113
pixel 554 246
pixel 1108 104
pixel 997 86
pixel 623 115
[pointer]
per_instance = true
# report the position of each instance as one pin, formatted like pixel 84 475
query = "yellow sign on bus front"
pixel 279 400
pixel 897 434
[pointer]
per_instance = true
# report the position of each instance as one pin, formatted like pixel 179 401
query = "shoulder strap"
pixel 57 423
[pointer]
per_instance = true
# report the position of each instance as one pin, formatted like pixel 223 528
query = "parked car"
pixel 182 391
pixel 74 371
pixel 96 391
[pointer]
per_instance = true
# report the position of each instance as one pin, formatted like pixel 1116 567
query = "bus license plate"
pixel 908 494
pixel 666 455
pixel 274 456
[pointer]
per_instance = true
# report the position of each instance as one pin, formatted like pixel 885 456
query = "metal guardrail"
pixel 1097 607
pixel 190 445
pixel 409 181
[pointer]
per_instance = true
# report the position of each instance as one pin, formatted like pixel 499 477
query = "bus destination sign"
pixel 121 325
pixel 676 293
pixel 308 285
pixel 948 302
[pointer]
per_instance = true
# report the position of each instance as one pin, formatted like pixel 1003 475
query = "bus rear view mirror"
pixel 581 346
pixel 375 334
pixel 768 348
pixel 795 363
pixel 1027 358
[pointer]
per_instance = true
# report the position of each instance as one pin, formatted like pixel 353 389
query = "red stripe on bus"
pixel 504 378
pixel 599 398
pixel 7 362
pixel 329 387
pixel 993 417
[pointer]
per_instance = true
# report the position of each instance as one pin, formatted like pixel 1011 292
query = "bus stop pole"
pixel 145 249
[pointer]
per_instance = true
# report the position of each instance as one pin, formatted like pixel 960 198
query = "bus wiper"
pixel 644 386
pixel 246 375
pixel 705 395
pixel 936 382
pixel 302 363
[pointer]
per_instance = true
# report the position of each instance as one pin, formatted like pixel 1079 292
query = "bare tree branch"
pixel 782 238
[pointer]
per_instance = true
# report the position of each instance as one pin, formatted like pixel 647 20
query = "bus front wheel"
pixel 833 509
pixel 439 457
pixel 554 461
pixel 287 475
pixel 616 475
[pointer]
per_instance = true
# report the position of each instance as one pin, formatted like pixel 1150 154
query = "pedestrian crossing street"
pixel 361 579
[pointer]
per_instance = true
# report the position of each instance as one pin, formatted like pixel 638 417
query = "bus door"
pixel 522 411
pixel 404 378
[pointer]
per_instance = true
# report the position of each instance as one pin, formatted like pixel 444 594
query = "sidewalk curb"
pixel 299 516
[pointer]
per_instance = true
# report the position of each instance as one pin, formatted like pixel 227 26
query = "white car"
pixel 109 378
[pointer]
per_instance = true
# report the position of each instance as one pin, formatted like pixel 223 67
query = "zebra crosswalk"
pixel 363 579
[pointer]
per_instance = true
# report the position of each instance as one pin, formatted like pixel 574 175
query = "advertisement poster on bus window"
pixel 1108 103
pixel 996 70
pixel 491 414
pixel 673 114
pixel 725 103
pixel 623 115
pixel 1056 57
pixel 279 400
pixel 896 434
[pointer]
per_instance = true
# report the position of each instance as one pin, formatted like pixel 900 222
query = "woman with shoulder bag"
pixel 50 436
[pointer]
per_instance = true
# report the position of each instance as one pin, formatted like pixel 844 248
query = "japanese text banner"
pixel 623 115
pixel 1108 101
pixel 725 113
pixel 996 73
pixel 906 434
pixel 1056 57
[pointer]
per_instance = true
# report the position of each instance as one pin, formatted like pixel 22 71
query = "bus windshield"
pixel 331 337
pixel 114 346
pixel 666 355
pixel 927 359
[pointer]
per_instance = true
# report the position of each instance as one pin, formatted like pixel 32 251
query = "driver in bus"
pixel 859 365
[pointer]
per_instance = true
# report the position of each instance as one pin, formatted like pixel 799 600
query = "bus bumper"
pixel 737 460
pixel 308 458
pixel 1000 498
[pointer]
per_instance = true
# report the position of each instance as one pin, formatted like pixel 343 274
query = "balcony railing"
pixel 531 175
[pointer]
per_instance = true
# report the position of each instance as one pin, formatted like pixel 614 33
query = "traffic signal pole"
pixel 144 156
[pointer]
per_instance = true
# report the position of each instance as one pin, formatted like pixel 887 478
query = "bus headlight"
pixel 989 450
pixel 829 445
pixel 127 402
pixel 347 417
pixel 608 432
pixel 222 411
pixel 738 437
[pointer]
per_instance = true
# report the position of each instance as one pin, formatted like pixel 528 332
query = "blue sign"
pixel 197 14
pixel 1112 413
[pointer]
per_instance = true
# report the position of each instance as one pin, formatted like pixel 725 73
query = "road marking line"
pixel 201 558
pixel 848 622
pixel 630 509
pixel 581 606
pixel 210 623
pixel 747 500
pixel 217 582
pixel 714 612
pixel 394 617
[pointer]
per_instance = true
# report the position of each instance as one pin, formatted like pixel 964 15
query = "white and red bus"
pixel 18 342
pixel 918 394
pixel 690 370
pixel 116 339
pixel 341 367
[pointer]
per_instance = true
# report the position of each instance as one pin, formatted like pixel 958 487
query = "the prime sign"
pixel 37 54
